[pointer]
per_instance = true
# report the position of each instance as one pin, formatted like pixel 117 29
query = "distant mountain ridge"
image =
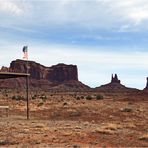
pixel 114 86
pixel 60 77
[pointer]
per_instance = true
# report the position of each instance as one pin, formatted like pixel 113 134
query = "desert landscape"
pixel 73 120
pixel 66 113
pixel 73 73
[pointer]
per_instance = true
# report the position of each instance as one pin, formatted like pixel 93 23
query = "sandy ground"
pixel 62 120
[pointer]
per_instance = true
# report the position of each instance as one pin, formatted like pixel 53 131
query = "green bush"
pixel 78 98
pixel 18 97
pixel 89 98
pixel 13 97
pixel 99 97
pixel 82 97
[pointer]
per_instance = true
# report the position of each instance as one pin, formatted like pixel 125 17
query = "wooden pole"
pixel 27 90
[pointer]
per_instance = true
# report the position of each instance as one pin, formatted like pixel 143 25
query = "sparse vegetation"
pixel 126 109
pixel 4 142
pixel 18 98
pixel 33 98
pixel 78 98
pixel 68 120
pixel 43 97
pixel 76 146
pixel 99 97
pixel 89 98
pixel 109 128
pixel 82 97
pixel 64 104
pixel 144 137
pixel 75 114
pixel 40 104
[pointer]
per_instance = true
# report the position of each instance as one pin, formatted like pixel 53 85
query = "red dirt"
pixel 119 120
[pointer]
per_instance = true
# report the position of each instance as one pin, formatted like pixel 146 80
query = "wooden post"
pixel 27 95
pixel 27 89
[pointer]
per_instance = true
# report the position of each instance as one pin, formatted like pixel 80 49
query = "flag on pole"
pixel 25 51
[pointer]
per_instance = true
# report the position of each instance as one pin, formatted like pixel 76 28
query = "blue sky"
pixel 100 36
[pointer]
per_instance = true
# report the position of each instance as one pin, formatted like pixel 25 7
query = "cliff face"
pixel 57 73
pixel 62 72
pixel 44 77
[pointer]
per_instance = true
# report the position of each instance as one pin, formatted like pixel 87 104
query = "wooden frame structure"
pixel 8 75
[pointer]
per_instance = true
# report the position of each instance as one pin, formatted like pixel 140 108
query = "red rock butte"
pixel 115 79
pixel 42 77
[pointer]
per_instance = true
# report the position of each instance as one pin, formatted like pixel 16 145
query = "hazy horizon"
pixel 101 37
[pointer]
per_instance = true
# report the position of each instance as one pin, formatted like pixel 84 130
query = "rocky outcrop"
pixel 146 88
pixel 4 69
pixel 146 83
pixel 62 72
pixel 114 86
pixel 42 77
pixel 57 73
pixel 115 79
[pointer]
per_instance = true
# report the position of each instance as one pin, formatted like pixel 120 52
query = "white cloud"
pixel 125 15
pixel 128 11
pixel 139 16
pixel 10 6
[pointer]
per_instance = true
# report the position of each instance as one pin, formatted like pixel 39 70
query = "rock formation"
pixel 146 88
pixel 57 73
pixel 4 69
pixel 114 86
pixel 44 77
pixel 115 79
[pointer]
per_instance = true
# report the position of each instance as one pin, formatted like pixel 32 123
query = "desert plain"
pixel 75 120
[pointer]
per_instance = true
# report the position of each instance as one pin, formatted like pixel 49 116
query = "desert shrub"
pixel 4 142
pixel 65 103
pixel 99 97
pixel 18 97
pixel 82 97
pixel 34 97
pixel 75 114
pixel 144 137
pixel 43 97
pixel 76 146
pixel 40 104
pixel 74 95
pixel 88 97
pixel 126 109
pixel 13 97
pixel 78 98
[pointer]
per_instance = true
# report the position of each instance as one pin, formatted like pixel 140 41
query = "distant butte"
pixel 60 77
pixel 114 86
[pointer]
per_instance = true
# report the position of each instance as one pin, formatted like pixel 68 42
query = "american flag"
pixel 25 51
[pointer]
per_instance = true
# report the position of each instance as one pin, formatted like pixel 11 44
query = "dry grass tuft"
pixel 144 137
pixel 109 128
